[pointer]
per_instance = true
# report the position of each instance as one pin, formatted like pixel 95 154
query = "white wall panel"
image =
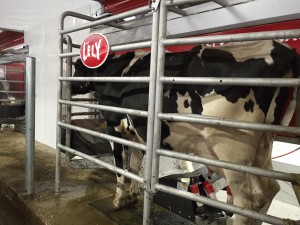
pixel 20 14
pixel 43 45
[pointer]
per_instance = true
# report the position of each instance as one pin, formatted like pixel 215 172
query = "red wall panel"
pixel 10 39
pixel 119 6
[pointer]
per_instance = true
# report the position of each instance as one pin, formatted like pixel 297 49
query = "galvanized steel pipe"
pixel 220 205
pixel 213 121
pixel 30 125
pixel 141 10
pixel 266 82
pixel 104 136
pixel 106 108
pixel 108 166
pixel 231 166
pixel 107 79
pixel 233 37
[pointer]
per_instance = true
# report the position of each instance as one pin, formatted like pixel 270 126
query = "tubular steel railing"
pixel 147 177
pixel 154 114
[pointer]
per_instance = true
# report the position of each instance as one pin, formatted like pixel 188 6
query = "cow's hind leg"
pixel 251 191
pixel 249 194
pixel 270 187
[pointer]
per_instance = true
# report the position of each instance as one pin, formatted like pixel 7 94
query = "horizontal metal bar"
pixel 178 11
pixel 73 45
pixel 270 82
pixel 85 114
pixel 267 35
pixel 185 2
pixel 212 121
pixel 12 100
pixel 69 54
pixel 228 165
pixel 13 81
pixel 223 3
pixel 116 25
pixel 141 10
pixel 106 108
pixel 220 205
pixel 104 136
pixel 13 92
pixel 108 166
pixel 85 99
pixel 123 47
pixel 131 46
pixel 107 79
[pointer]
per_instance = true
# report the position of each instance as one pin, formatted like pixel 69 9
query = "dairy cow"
pixel 259 59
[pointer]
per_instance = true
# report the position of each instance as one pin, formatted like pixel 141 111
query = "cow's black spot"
pixel 196 103
pixel 249 106
pixel 186 104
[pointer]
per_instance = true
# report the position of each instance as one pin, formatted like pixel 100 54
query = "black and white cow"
pixel 261 59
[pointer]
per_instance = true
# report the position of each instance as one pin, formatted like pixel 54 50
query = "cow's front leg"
pixel 135 166
pixel 119 200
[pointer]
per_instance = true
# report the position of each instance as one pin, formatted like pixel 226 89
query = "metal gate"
pixel 156 80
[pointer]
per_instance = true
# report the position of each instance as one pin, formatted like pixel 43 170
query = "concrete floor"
pixel 85 198
pixel 80 188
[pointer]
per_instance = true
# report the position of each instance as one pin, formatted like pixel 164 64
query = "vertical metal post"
pixel 58 128
pixel 30 124
pixel 159 92
pixel 148 197
pixel 68 90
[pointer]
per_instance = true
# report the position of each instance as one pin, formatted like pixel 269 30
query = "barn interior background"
pixel 35 24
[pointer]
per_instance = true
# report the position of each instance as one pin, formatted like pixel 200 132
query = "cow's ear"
pixel 79 65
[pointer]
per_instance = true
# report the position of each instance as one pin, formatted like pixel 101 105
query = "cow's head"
pixel 82 87
pixel 114 66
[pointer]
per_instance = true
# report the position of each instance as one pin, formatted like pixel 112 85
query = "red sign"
pixel 94 50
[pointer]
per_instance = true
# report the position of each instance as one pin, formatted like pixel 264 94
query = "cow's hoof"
pixel 133 199
pixel 118 204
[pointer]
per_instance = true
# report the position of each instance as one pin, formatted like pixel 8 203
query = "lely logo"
pixel 94 50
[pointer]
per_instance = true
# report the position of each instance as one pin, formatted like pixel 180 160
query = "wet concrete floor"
pixel 9 215
pixel 85 197
pixel 79 188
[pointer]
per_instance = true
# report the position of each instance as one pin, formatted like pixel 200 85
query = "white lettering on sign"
pixel 91 50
